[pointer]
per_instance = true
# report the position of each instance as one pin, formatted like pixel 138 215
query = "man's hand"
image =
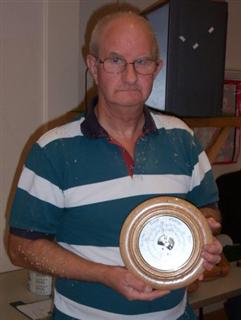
pixel 214 218
pixel 124 282
pixel 214 225
pixel 212 252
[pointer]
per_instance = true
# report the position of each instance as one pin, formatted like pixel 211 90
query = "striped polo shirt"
pixel 78 187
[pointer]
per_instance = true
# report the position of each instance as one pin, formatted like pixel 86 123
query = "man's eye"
pixel 116 60
pixel 142 62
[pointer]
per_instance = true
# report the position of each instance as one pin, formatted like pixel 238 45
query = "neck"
pixel 126 121
pixel 123 123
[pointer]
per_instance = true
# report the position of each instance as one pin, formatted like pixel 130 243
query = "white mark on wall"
pixel 195 46
pixel 211 30
pixel 182 38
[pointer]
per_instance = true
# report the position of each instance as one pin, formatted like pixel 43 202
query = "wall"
pixel 39 78
pixel 233 54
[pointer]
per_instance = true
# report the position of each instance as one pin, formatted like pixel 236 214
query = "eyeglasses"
pixel 144 66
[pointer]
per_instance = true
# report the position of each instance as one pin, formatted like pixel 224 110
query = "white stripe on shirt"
pixel 41 188
pixel 200 171
pixel 126 187
pixel 168 122
pixel 105 255
pixel 82 312
pixel 112 189
pixel 68 130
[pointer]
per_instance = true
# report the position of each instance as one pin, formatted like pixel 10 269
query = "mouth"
pixel 128 90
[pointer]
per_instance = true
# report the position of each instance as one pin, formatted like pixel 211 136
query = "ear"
pixel 159 67
pixel 91 64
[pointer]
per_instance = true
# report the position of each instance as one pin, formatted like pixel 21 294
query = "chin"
pixel 129 103
pixel 130 100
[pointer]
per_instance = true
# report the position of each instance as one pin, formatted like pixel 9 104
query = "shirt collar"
pixel 90 126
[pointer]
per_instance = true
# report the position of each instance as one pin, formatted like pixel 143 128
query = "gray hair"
pixel 103 22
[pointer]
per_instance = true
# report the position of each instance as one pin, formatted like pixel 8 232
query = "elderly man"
pixel 81 181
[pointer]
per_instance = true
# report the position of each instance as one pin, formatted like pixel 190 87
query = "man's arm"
pixel 48 257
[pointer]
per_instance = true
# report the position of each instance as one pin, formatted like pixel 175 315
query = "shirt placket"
pixel 128 160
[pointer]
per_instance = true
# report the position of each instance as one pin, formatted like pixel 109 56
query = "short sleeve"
pixel 39 201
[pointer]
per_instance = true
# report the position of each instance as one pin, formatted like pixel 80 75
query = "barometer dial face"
pixel 165 243
pixel 161 242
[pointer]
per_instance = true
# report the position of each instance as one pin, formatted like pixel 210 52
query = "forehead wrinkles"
pixel 126 34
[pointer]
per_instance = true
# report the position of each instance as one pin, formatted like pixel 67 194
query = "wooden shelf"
pixel 224 123
pixel 218 122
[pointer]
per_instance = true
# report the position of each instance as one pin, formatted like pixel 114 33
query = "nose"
pixel 130 73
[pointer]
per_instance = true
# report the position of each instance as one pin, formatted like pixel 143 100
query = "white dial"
pixel 166 243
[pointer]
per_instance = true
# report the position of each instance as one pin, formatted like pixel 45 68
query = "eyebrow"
pixel 115 54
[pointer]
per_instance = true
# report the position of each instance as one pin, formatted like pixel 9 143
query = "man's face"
pixel 130 40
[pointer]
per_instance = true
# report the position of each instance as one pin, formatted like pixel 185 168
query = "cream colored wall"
pixel 21 90
pixel 233 54
pixel 39 78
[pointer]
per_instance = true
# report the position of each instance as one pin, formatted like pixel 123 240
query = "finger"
pixel 136 283
pixel 148 289
pixel 154 294
pixel 201 277
pixel 211 255
pixel 211 258
pixel 208 266
pixel 214 247
pixel 213 224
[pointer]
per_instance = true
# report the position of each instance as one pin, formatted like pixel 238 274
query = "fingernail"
pixel 147 289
